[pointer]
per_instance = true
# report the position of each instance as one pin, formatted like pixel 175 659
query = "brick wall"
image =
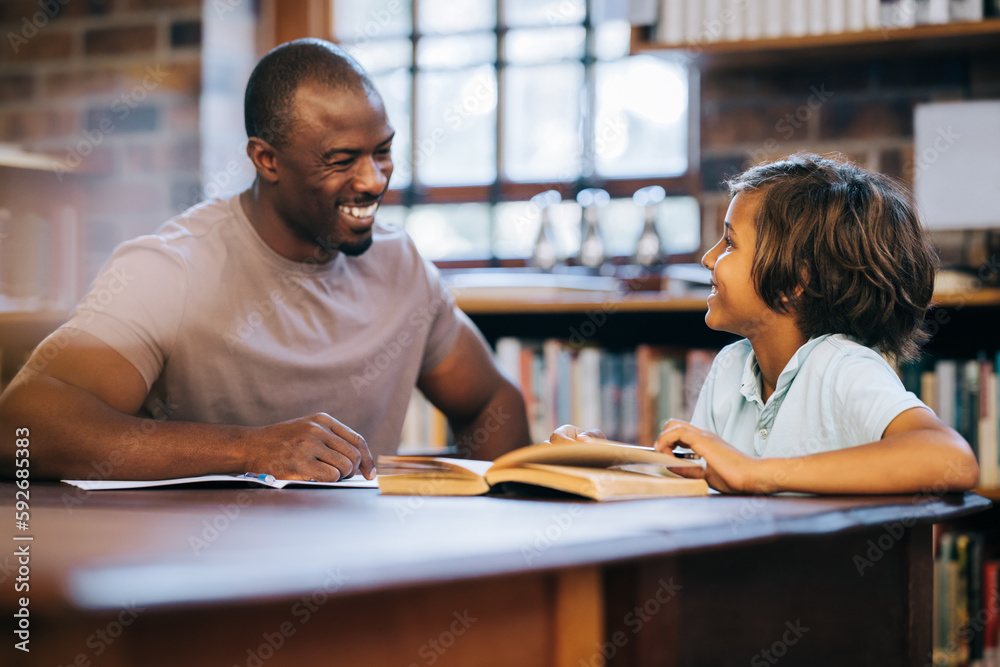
pixel 861 107
pixel 112 88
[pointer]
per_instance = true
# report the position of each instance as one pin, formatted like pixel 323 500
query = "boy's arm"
pixel 917 453
pixel 80 406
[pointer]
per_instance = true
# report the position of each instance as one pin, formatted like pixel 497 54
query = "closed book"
pixel 798 17
pixel 734 20
pixel 711 21
pixel 550 363
pixel 989 427
pixel 508 356
pixel 817 18
pixel 965 10
pixel 693 14
pixel 647 387
pixel 598 470
pixel 775 19
pixel 587 398
pixel 968 403
pixel 670 29
pixel 856 15
pixel 946 371
pixel 873 14
pixel 629 399
pixel 975 616
pixel 991 623
pixel 928 390
pixel 836 12
pixel 698 366
pixel 753 19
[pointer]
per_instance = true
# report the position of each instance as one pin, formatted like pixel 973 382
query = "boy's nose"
pixel 708 259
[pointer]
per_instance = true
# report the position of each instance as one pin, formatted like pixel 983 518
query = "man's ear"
pixel 264 158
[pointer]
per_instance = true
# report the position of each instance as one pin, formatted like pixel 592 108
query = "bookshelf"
pixel 963 322
pixel 965 36
pixel 41 267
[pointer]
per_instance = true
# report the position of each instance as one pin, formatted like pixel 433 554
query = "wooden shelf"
pixel 582 302
pixel 32 317
pixel 925 38
pixel 984 297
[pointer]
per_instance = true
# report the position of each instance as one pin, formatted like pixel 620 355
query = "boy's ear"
pixel 264 158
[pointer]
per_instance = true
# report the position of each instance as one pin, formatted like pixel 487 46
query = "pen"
pixel 267 479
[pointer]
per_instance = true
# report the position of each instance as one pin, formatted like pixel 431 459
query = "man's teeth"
pixel 359 212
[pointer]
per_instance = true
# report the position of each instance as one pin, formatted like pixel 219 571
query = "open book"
pixel 239 480
pixel 597 469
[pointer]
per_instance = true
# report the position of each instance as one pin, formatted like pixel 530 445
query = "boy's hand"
pixel 567 433
pixel 726 468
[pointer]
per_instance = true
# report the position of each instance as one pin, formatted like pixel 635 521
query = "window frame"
pixel 314 18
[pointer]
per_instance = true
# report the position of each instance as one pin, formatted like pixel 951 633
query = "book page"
pixel 114 484
pixel 590 454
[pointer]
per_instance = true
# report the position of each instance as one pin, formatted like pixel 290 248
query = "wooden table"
pixel 262 577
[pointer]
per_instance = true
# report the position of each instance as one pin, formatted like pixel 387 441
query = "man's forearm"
pixel 75 435
pixel 498 428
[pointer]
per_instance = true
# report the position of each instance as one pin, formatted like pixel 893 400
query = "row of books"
pixel 965 396
pixel 696 22
pixel 966 600
pixel 627 395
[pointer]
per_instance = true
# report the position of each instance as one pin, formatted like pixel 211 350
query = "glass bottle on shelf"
pixel 591 201
pixel 648 249
pixel 544 255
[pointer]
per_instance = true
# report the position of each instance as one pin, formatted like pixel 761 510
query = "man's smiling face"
pixel 334 167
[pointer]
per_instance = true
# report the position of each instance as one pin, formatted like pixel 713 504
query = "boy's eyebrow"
pixel 728 227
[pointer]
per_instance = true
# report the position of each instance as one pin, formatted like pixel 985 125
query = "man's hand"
pixel 317 447
pixel 567 433
pixel 726 468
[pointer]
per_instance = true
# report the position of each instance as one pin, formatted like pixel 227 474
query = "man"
pixel 279 331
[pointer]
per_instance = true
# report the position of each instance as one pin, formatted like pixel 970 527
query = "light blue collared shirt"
pixel 833 393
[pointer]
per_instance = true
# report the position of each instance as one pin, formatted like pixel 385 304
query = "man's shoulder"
pixel 183 235
pixel 196 222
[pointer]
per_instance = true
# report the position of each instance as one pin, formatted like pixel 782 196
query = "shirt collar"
pixel 752 380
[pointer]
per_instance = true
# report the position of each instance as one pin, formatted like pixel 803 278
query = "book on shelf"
pixel 425 428
pixel 965 395
pixel 966 599
pixel 597 469
pixel 695 22
pixel 626 394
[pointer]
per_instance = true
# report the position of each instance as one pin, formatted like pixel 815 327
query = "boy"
pixel 821 267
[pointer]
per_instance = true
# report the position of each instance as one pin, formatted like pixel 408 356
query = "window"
pixel 494 101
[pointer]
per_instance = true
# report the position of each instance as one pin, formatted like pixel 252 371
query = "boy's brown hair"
pixel 846 248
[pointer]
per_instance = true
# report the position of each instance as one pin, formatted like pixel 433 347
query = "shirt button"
pixel 762 433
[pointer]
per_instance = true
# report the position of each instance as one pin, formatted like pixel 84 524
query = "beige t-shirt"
pixel 224 330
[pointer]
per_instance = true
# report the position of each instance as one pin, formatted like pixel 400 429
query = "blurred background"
pixel 117 114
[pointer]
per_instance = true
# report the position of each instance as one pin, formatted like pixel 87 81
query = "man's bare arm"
pixel 485 410
pixel 81 404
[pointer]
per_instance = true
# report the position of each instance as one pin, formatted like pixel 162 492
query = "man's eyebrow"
pixel 353 151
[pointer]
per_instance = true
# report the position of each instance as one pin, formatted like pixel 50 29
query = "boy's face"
pixel 734 304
